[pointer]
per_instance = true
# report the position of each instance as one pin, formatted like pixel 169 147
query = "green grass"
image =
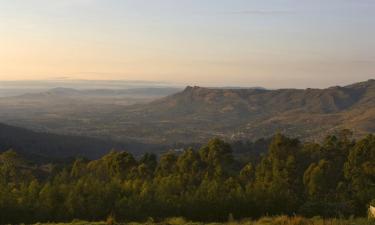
pixel 280 220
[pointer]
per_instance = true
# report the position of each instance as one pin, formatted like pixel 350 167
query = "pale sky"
pixel 270 43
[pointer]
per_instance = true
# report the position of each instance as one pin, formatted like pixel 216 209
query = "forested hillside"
pixel 334 178
pixel 47 147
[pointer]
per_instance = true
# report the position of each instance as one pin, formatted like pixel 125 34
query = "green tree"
pixel 360 170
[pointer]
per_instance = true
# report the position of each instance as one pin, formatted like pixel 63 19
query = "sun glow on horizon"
pixel 241 42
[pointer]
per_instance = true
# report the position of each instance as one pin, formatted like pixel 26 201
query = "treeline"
pixel 330 179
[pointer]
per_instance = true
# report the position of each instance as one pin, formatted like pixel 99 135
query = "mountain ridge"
pixel 244 111
pixel 197 114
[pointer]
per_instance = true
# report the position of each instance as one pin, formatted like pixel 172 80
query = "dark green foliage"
pixel 335 178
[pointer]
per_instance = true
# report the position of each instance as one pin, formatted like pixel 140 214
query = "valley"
pixel 196 114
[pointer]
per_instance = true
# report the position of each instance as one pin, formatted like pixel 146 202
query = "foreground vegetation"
pixel 333 179
pixel 280 220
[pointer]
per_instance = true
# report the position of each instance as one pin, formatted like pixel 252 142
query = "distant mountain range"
pixel 197 114
pixel 130 93
pixel 16 88
pixel 60 109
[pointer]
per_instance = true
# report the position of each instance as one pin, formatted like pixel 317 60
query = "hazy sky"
pixel 271 43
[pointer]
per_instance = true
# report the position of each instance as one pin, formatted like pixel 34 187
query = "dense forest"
pixel 334 178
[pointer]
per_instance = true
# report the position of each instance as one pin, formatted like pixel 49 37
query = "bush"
pixel 111 220
pixel 176 221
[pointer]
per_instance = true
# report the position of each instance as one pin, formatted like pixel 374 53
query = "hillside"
pixel 45 147
pixel 197 114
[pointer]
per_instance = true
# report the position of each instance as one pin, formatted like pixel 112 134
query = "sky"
pixel 273 43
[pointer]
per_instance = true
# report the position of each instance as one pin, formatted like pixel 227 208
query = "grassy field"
pixel 281 220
